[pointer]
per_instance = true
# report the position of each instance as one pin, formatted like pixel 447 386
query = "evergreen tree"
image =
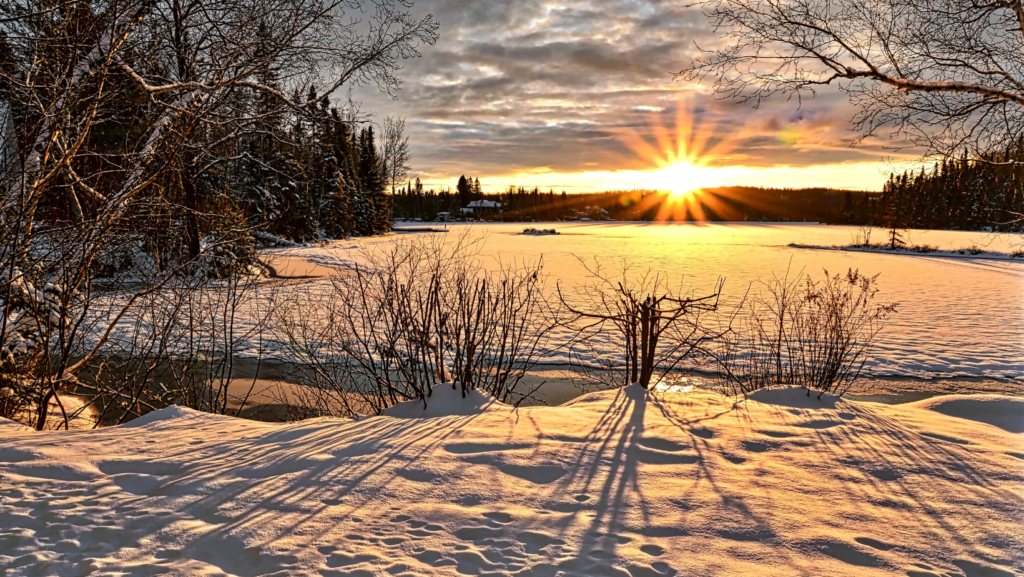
pixel 465 191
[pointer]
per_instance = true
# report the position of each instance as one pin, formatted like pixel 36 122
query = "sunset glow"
pixel 678 154
pixel 681 153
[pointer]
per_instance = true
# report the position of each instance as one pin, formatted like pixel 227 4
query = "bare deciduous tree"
pixel 394 151
pixel 661 327
pixel 942 75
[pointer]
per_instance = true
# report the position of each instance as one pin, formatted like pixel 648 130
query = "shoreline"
pixel 959 254
pixel 558 387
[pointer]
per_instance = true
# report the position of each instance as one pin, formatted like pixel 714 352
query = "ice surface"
pixel 619 483
pixel 960 317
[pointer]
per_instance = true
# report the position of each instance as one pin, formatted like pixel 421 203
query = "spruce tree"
pixel 465 191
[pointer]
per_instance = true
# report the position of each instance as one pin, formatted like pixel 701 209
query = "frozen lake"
pixel 959 317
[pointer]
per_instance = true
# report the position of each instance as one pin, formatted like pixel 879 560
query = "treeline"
pixel 961 194
pixel 195 131
pixel 717 204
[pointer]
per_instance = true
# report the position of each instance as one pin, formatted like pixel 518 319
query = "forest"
pixel 961 194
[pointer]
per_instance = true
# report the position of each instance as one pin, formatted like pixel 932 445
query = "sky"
pixel 580 96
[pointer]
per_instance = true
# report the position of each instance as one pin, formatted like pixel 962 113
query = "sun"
pixel 681 157
pixel 682 179
pixel 680 154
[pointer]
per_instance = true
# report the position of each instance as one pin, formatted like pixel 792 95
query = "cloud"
pixel 531 86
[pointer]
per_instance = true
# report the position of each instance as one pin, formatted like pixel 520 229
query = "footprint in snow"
pixel 499 517
pixel 660 444
pixel 885 474
pixel 703 433
pixel 874 543
pixel 847 553
pixel 653 550
pixel 820 424
pixel 534 541
pixel 975 569
pixel 650 457
pixel 478 533
pixel 778 434
pixel 754 446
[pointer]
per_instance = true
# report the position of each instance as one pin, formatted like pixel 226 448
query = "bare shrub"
pixel 861 238
pixel 102 341
pixel 803 332
pixel 179 345
pixel 661 327
pixel 418 315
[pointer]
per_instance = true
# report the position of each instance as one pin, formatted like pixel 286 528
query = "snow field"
pixel 618 483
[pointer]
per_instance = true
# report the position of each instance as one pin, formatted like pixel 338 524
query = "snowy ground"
pixel 616 483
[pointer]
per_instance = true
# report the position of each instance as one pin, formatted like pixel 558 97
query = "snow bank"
pixel 619 483
pixel 7 424
pixel 166 414
pixel 795 397
pixel 446 401
pixel 1007 413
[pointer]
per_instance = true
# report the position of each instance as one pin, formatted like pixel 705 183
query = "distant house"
pixel 443 216
pixel 481 207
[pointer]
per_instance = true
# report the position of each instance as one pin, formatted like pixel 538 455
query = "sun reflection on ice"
pixel 676 385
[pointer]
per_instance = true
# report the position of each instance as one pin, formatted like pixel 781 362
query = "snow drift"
pixel 621 483
pixel 996 410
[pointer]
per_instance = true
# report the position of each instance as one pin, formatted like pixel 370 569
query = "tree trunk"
pixel 191 200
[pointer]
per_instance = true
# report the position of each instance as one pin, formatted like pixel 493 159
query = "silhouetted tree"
pixel 465 191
